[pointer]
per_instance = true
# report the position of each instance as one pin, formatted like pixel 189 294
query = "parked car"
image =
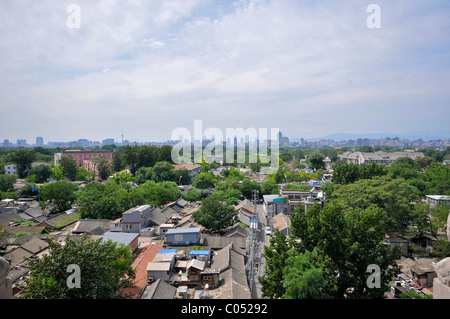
pixel 268 230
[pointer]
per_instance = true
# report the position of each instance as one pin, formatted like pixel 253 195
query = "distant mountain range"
pixel 426 136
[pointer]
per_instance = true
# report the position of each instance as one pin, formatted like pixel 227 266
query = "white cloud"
pixel 231 62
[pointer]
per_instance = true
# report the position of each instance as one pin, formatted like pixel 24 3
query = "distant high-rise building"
pixel 39 141
pixel 22 142
pixel 6 143
pixel 108 141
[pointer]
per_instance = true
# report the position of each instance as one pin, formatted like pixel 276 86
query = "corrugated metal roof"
pixel 183 230
pixel 118 237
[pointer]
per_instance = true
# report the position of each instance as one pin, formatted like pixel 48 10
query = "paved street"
pixel 262 240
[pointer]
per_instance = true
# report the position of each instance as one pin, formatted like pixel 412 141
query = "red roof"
pixel 144 256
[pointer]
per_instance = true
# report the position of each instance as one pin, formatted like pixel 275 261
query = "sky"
pixel 146 68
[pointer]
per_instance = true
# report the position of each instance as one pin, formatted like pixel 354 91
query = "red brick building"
pixel 82 158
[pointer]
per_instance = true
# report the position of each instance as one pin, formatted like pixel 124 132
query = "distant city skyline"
pixel 310 68
pixel 338 137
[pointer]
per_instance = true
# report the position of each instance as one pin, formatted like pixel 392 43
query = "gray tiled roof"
pixel 159 290
pixel 35 245
pixel 88 225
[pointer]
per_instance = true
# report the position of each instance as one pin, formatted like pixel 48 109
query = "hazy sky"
pixel 310 68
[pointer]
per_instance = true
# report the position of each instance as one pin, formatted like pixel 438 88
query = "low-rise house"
pixel 35 212
pixel 134 219
pixel 145 255
pixel 296 197
pixel 385 158
pixel 422 244
pixel 393 240
pixel 12 168
pixel 162 265
pixel 183 236
pixel 91 226
pixel 423 275
pixel 17 256
pixel 194 268
pixel 159 290
pixel 202 255
pixel 434 200
pixel 219 242
pixel 8 216
pixel 417 272
pixel 128 239
pixel 237 230
pixel 61 220
pixel 25 229
pixel 163 228
pixel 230 262
pixel 210 277
pixel 282 223
pixel 178 205
pixel 193 168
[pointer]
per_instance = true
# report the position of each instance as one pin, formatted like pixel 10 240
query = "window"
pixel 178 237
pixel 128 227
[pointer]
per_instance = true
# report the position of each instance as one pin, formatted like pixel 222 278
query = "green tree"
pixel 57 173
pixel 204 180
pixel 60 195
pixel 437 177
pixel 215 214
pixel 182 177
pixel 7 182
pixel 302 278
pixel 412 294
pixel 105 270
pixel 41 172
pixel 192 195
pixel 159 193
pixel 27 189
pixel 163 171
pixel 347 241
pixel 346 174
pixel 104 168
pixel 69 167
pixel 395 196
pixel 248 186
pixel 165 154
pixel 441 248
pixel 423 162
pixel 23 159
pixel 275 254
pixel 315 161
pixel 270 187
pixel 83 174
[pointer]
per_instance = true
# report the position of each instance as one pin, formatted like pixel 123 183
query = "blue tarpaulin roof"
pixel 199 252
pixel 166 251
